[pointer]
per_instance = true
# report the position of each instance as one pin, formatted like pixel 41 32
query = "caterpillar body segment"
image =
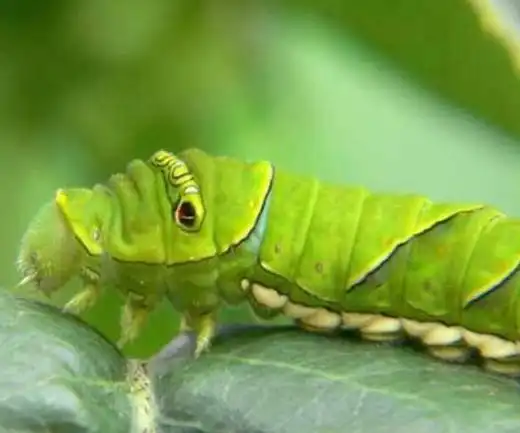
pixel 392 265
pixel 203 231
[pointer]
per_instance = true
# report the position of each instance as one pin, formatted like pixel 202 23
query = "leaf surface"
pixel 286 381
pixel 57 374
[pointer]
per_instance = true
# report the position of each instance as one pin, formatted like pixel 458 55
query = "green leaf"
pixel 259 380
pixel 57 374
pixel 60 375
pixel 467 51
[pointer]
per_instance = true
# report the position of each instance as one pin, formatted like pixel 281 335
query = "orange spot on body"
pixel 388 242
pixel 504 267
pixel 442 251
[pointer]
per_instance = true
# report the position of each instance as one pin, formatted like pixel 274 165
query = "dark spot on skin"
pixel 277 249
pixel 186 214
pixel 319 267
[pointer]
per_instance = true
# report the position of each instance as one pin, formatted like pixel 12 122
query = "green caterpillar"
pixel 203 231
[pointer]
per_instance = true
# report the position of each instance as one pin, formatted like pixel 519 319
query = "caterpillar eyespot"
pixel 186 215
pixel 387 265
pixel 189 210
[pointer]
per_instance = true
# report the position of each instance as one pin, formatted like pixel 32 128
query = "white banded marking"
pixel 267 297
pixel 451 343
pixel 382 325
pixel 323 319
pixel 442 335
pixel 417 329
pixel 450 353
pixel 491 346
pixel 296 311
pixel 356 320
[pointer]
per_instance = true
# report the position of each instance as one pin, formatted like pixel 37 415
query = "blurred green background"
pixel 407 95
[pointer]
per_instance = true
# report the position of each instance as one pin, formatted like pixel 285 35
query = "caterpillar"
pixel 204 231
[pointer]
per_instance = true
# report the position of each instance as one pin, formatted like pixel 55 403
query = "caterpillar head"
pixel 50 255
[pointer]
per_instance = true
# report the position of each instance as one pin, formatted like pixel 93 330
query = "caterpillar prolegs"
pixel 203 231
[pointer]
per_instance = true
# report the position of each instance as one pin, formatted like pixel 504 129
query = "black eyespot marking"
pixel 186 214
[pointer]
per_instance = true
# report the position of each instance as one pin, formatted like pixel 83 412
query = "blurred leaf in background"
pixel 410 95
